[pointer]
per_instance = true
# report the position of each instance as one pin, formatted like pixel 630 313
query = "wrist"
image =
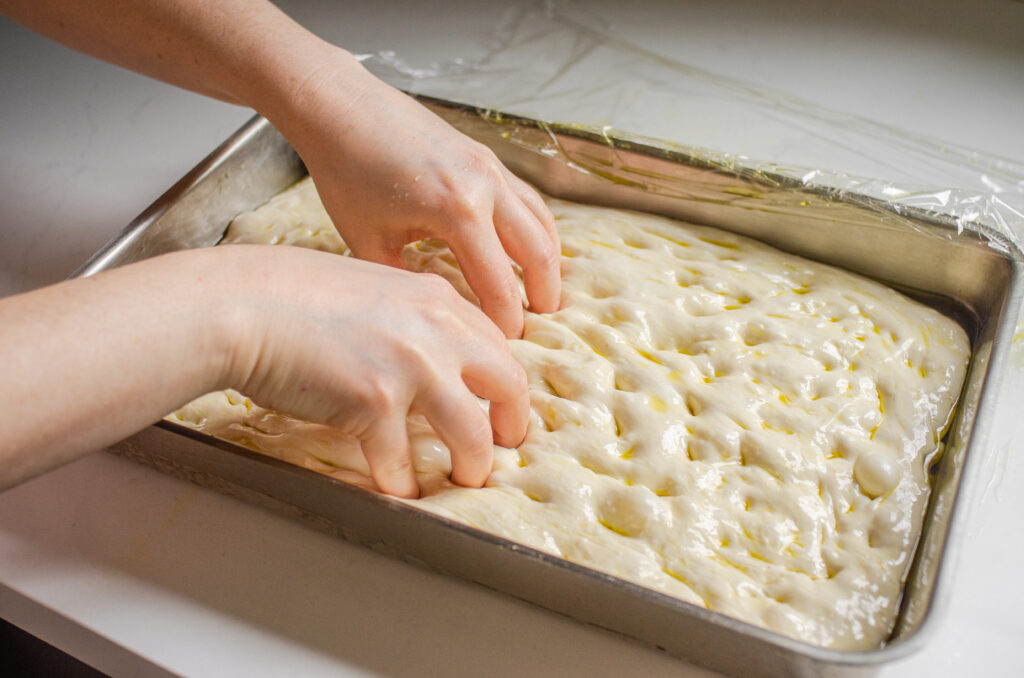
pixel 223 317
pixel 312 92
pixel 290 87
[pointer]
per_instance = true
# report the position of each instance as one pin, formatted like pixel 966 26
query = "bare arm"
pixel 239 51
pixel 389 171
pixel 89 361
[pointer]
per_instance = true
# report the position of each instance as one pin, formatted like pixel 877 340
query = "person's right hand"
pixel 359 346
pixel 391 172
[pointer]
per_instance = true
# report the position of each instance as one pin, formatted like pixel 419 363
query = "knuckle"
pixel 436 286
pixel 490 168
pixel 434 316
pixel 481 157
pixel 465 203
pixel 381 395
pixel 493 337
pixel 438 301
pixel 470 194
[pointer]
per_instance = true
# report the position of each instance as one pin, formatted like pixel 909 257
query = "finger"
pixel 386 448
pixel 485 363
pixel 491 372
pixel 389 257
pixel 536 204
pixel 461 424
pixel 379 253
pixel 526 241
pixel 504 384
pixel 489 273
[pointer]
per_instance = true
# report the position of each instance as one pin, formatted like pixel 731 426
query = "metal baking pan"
pixel 974 276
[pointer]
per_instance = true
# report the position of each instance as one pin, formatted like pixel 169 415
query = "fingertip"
pixel 510 419
pixel 510 416
pixel 514 326
pixel 548 299
pixel 405 491
pixel 401 484
pixel 462 425
pixel 544 284
pixel 511 435
pixel 387 453
pixel 474 479
pixel 473 457
pixel 532 242
pixel 471 448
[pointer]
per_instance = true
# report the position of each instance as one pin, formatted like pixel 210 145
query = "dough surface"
pixel 740 428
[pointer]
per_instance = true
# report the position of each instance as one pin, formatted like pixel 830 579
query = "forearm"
pixel 246 52
pixel 90 361
pixel 388 170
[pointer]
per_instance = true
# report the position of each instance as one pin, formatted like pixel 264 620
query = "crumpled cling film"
pixel 554 62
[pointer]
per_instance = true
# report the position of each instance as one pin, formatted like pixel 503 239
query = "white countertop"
pixel 140 574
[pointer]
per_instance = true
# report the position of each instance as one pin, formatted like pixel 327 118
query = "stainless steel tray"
pixel 917 252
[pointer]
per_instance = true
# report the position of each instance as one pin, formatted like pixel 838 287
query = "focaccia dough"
pixel 743 429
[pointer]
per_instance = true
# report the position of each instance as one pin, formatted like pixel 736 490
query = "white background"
pixel 137 573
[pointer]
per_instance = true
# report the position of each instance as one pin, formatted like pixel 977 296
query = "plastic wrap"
pixel 554 62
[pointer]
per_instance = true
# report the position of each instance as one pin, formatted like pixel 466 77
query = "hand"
pixel 333 340
pixel 359 346
pixel 391 172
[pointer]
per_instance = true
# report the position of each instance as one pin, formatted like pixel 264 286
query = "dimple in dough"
pixel 743 429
